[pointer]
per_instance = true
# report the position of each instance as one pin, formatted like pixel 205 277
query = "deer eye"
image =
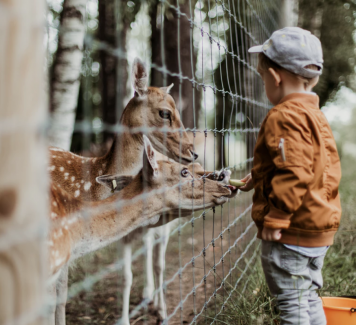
pixel 165 115
pixel 185 172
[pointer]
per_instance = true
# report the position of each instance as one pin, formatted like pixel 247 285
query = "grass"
pixel 250 304
pixel 255 304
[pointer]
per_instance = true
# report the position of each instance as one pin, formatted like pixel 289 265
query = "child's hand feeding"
pixel 249 184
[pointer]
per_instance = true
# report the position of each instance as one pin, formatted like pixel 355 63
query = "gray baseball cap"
pixel 293 49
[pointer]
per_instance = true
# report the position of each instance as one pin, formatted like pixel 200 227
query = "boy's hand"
pixel 249 184
pixel 270 234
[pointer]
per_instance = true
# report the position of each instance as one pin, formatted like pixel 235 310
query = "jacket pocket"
pixel 281 147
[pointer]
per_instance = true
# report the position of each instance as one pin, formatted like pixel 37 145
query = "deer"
pixel 151 109
pixel 78 227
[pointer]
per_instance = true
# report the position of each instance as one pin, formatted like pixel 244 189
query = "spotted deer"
pixel 151 110
pixel 79 227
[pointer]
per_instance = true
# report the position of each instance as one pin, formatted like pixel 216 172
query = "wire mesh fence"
pixel 205 254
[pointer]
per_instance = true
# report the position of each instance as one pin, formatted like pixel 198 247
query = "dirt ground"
pixel 102 303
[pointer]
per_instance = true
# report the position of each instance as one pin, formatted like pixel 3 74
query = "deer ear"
pixel 139 77
pixel 115 183
pixel 150 166
pixel 167 89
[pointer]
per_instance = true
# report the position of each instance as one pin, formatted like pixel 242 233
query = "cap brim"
pixel 256 49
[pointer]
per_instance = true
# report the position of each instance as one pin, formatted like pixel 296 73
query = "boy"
pixel 296 175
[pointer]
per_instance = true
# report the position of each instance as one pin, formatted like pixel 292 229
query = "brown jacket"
pixel 296 173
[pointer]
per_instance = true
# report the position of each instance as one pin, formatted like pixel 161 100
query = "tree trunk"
pixel 289 13
pixel 66 73
pixel 22 177
pixel 177 37
pixel 112 31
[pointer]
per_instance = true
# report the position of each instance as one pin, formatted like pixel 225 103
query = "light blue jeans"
pixel 293 279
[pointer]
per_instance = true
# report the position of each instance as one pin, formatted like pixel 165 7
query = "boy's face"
pixel 273 91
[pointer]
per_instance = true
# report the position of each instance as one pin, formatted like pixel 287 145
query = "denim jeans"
pixel 293 279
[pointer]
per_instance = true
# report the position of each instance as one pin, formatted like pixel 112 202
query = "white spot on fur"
pixel 57 234
pixel 66 174
pixel 56 149
pixel 59 261
pixel 53 215
pixel 54 203
pixel 82 161
pixel 61 169
pixel 69 162
pixel 72 220
pixel 94 160
pixel 50 243
pixel 82 181
pixel 87 186
pixel 54 156
pixel 72 178
pixel 100 172
pixel 52 168
pixel 77 185
pixel 104 165
pixel 76 193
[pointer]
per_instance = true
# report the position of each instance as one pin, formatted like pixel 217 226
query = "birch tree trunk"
pixel 289 13
pixel 22 179
pixel 66 73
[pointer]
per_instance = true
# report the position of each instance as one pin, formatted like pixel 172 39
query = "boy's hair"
pixel 264 63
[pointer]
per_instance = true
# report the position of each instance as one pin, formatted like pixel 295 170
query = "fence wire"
pixel 211 252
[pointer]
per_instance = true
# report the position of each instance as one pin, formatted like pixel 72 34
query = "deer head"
pixel 175 185
pixel 154 108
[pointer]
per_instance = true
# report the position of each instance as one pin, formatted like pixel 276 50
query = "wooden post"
pixel 22 162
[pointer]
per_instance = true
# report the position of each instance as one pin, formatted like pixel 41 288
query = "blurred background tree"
pixel 178 55
pixel 333 21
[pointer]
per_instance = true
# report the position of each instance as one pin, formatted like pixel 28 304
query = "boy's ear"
pixel 276 76
pixel 115 183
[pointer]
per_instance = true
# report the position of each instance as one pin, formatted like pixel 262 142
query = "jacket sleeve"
pixel 289 142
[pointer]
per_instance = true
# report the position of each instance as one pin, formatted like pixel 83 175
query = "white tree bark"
pixel 66 73
pixel 23 185
pixel 289 13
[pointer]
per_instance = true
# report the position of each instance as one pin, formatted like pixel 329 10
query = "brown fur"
pixel 71 222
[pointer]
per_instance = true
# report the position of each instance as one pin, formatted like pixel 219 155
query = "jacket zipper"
pixel 281 147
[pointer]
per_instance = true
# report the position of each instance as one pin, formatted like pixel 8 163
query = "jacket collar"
pixel 310 99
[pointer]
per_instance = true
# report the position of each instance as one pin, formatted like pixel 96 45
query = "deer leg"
pixel 150 285
pixel 127 285
pixel 159 267
pixel 62 290
pixel 52 295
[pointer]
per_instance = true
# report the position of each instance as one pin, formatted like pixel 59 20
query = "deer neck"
pixel 105 223
pixel 126 154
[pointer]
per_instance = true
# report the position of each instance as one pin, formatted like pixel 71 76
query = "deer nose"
pixel 195 155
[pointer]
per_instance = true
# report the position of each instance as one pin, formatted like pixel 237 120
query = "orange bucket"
pixel 339 311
